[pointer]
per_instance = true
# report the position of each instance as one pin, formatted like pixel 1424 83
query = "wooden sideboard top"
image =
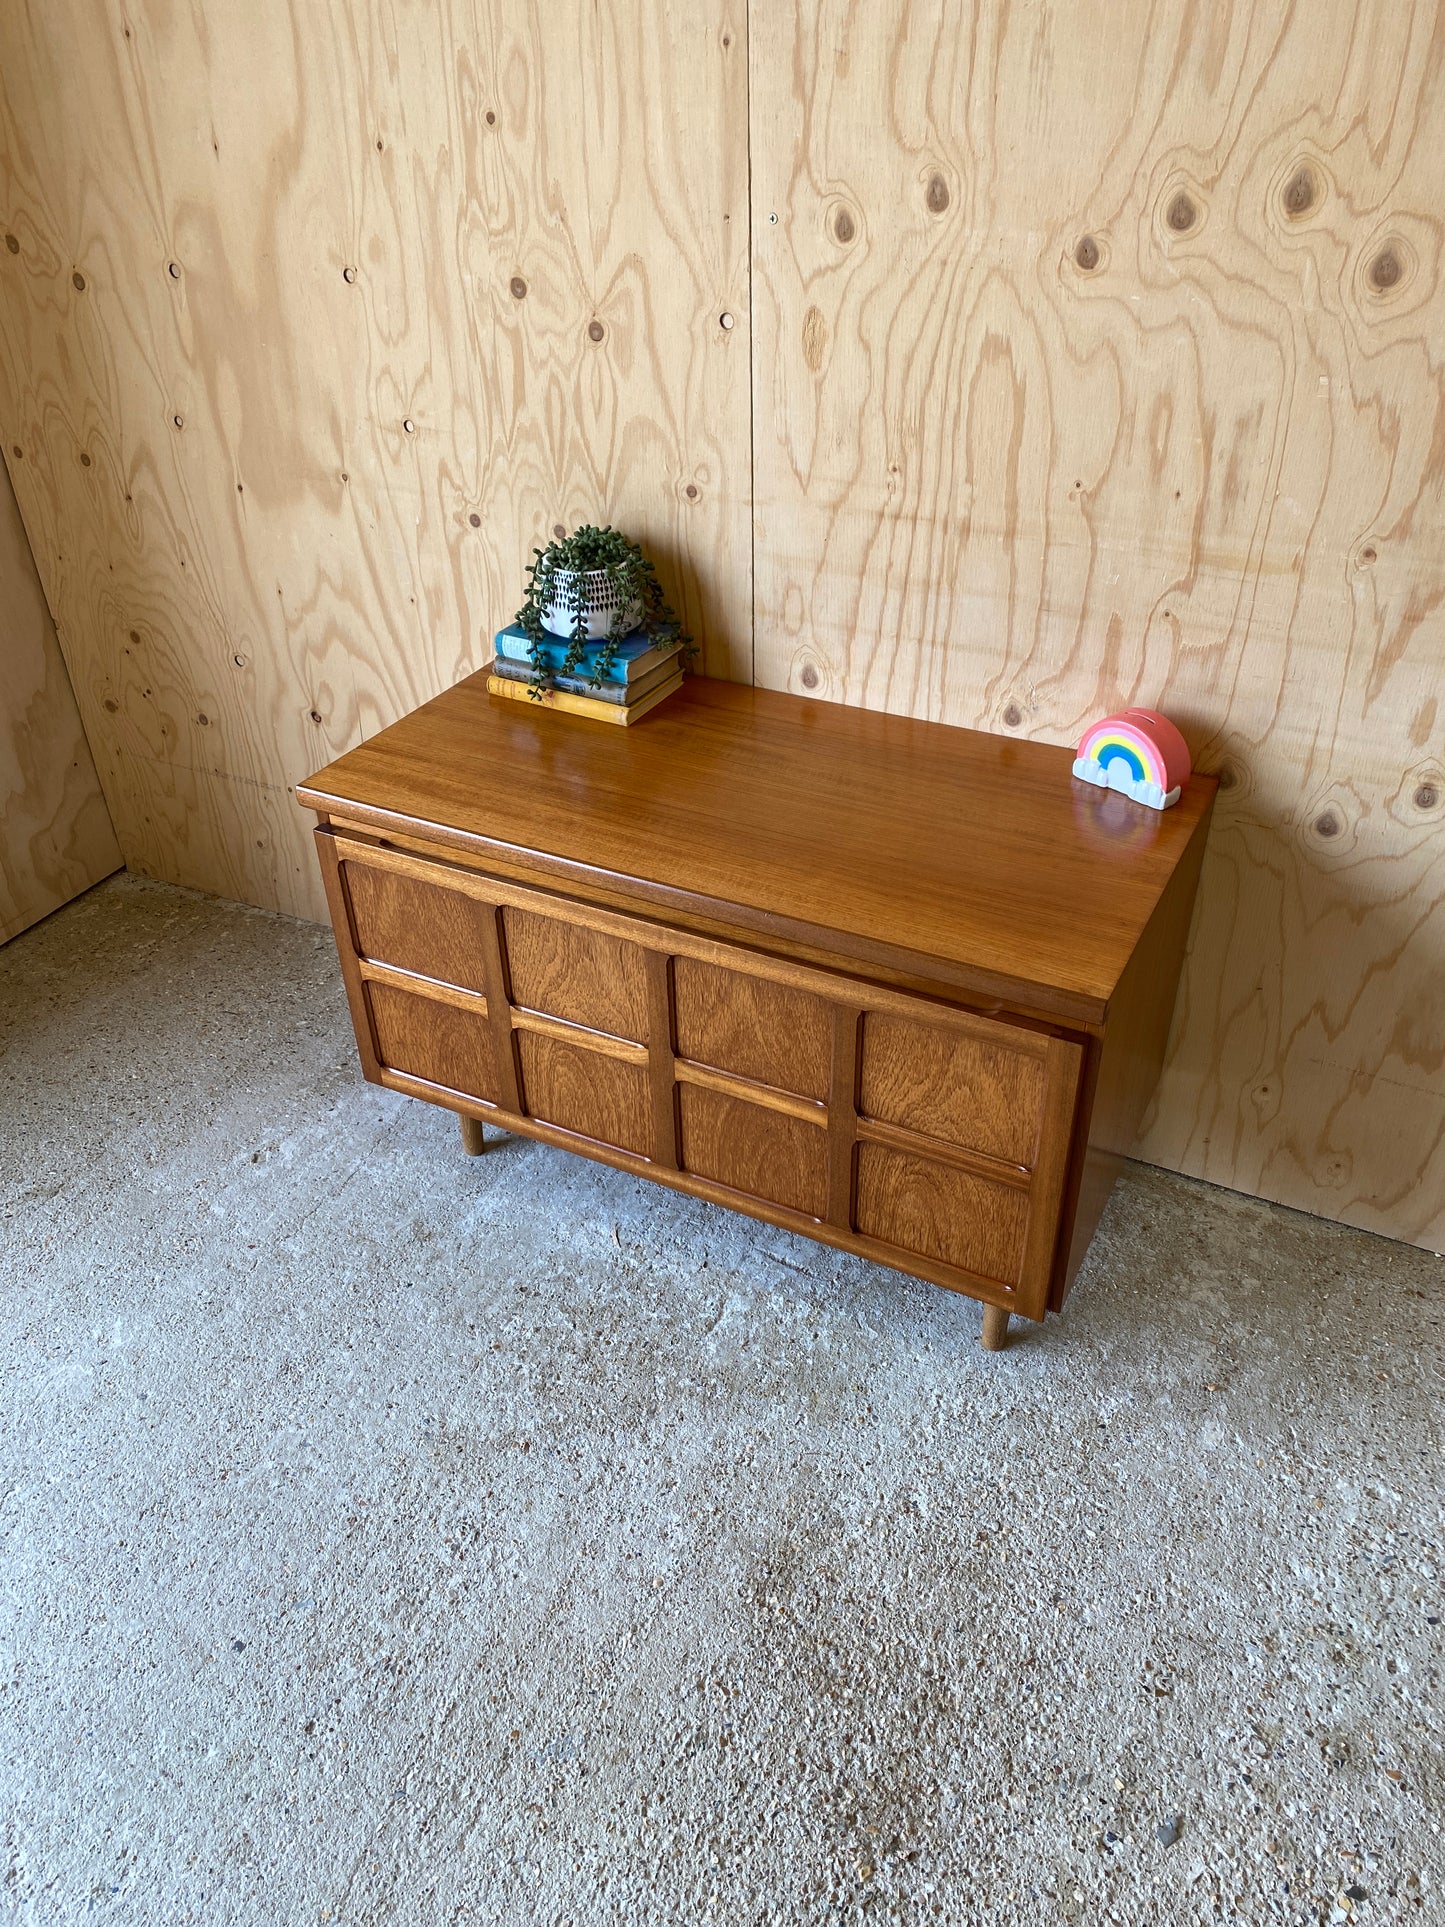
pixel 905 843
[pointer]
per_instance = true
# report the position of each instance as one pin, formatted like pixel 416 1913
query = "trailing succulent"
pixel 559 575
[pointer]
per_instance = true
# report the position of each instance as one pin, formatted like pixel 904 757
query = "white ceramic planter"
pixel 606 616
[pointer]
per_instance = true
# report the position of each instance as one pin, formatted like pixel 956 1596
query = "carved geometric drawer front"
pixel 437 1041
pixel 917 1133
pixel 942 1212
pixel 755 1028
pixel 584 1091
pixel 970 1090
pixel 583 976
pixel 761 1153
pixel 415 926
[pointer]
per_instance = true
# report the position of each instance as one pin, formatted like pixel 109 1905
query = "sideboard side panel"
pixel 1136 1036
pixel 348 950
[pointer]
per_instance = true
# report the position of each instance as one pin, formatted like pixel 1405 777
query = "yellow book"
pixel 591 706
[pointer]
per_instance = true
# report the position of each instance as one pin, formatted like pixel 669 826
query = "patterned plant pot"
pixel 607 614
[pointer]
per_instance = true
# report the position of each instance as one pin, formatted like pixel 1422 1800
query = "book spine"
pixel 608 692
pixel 558 699
pixel 512 647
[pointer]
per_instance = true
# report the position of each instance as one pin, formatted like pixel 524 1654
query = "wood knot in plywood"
pixel 1181 214
pixel 1300 193
pixel 1386 270
pixel 815 338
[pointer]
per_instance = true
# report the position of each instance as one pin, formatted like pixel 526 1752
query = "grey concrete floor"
pixel 395 1537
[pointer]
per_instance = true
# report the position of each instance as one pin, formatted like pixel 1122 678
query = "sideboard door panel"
pixel 423 1037
pixel 907 1129
pixel 981 1087
pixel 768 1032
pixel 586 1091
pixel 416 926
pixel 760 1152
pixel 943 1213
pixel 582 976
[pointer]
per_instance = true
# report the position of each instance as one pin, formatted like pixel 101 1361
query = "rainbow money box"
pixel 1139 753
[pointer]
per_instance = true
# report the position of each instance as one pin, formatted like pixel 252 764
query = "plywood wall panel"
pixel 55 834
pixel 1099 361
pixel 1076 358
pixel 315 322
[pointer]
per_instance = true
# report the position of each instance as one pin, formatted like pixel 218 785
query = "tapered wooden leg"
pixel 473 1138
pixel 995 1328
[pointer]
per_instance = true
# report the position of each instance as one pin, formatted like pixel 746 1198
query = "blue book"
pixel 606 691
pixel 637 654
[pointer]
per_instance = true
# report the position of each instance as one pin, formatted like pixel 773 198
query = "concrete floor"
pixel 395 1537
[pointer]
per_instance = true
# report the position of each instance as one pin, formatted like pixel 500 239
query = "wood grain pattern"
pixel 796 817
pixel 1096 367
pixel 586 1091
pixel 843 1115
pixel 984 1093
pixel 581 975
pixel 754 1028
pixel 1087 367
pixel 416 926
pixel 317 319
pixel 762 1152
pixel 661 1063
pixel 935 1204
pixel 942 1213
pixel 434 1040
pixel 808 1109
pixel 55 831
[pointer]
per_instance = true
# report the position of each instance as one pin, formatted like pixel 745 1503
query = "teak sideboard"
pixel 902 988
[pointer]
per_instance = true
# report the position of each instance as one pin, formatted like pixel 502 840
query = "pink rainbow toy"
pixel 1137 752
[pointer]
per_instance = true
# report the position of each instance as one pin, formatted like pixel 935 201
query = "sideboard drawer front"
pixel 943 1213
pixel 763 1153
pixel 597 1096
pixel 583 976
pixel 417 926
pixel 755 1028
pixel 965 1085
pixel 437 1041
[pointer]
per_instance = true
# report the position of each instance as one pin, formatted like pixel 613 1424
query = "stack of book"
pixel 644 672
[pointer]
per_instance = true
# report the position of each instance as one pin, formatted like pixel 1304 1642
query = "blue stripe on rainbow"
pixel 1137 752
pixel 1109 741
